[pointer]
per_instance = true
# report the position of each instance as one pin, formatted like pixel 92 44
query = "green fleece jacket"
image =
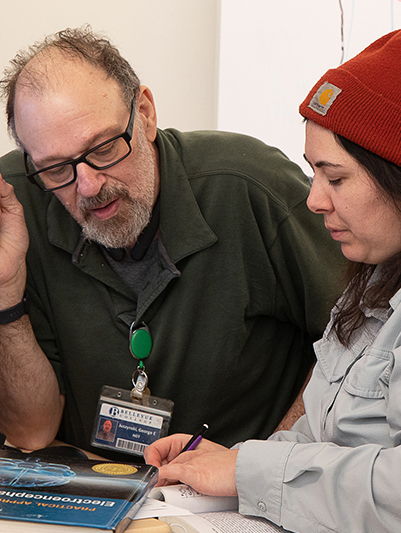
pixel 244 283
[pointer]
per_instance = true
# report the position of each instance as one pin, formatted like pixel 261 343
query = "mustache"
pixel 104 196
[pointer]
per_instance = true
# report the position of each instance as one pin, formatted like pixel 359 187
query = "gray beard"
pixel 119 231
pixel 124 228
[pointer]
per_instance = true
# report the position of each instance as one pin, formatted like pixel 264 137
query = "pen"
pixel 195 439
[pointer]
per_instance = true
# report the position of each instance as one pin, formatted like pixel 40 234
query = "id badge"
pixel 128 424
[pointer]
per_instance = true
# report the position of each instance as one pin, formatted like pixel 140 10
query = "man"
pixel 202 237
pixel 106 433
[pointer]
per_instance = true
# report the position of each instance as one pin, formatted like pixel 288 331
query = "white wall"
pixel 274 51
pixel 172 44
pixel 238 65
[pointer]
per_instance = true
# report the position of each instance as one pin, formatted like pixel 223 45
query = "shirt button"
pixel 262 506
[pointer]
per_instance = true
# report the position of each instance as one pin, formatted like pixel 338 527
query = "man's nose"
pixel 89 180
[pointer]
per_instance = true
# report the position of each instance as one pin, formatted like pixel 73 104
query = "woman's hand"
pixel 210 469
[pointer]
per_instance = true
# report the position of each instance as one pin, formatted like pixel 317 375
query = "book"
pixel 210 514
pixel 70 491
pixel 185 497
pixel 221 522
pixel 146 525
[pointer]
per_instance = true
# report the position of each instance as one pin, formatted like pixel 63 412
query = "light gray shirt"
pixel 339 468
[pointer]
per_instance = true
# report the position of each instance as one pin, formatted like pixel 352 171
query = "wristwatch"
pixel 14 313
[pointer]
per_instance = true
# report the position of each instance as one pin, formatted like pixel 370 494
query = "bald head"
pixel 59 98
pixel 49 71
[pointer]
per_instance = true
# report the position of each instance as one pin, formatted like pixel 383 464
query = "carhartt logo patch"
pixel 324 97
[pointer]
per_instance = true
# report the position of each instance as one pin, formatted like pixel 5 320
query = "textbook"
pixel 185 497
pixel 221 522
pixel 211 514
pixel 70 491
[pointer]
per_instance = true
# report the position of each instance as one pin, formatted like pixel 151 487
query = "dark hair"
pixel 349 316
pixel 79 43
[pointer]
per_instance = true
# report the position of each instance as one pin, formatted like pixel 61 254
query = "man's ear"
pixel 145 107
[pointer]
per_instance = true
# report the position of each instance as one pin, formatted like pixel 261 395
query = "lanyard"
pixel 140 345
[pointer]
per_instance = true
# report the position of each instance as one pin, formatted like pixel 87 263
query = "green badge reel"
pixel 140 346
pixel 129 421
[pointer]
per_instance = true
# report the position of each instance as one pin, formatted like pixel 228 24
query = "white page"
pixel 221 522
pixel 152 508
pixel 189 524
pixel 233 521
pixel 187 498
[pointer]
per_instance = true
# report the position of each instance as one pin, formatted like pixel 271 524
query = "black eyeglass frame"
pixel 126 135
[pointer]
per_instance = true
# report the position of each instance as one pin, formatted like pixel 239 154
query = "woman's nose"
pixel 319 200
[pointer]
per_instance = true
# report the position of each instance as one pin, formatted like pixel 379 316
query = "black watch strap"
pixel 14 313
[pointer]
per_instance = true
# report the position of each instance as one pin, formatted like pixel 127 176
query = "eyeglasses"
pixel 100 157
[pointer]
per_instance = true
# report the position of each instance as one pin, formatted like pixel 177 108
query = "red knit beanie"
pixel 361 99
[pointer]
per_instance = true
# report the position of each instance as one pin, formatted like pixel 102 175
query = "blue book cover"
pixel 72 491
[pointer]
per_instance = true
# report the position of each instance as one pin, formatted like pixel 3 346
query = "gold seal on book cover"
pixel 114 469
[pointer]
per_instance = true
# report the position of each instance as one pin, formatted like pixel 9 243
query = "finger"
pixel 165 450
pixel 196 476
pixel 6 191
pixel 174 473
pixel 152 456
pixel 8 200
pixel 166 482
pixel 209 472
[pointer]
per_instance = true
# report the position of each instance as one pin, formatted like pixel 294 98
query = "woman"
pixel 339 467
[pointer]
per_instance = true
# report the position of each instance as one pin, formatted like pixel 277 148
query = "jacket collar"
pixel 184 230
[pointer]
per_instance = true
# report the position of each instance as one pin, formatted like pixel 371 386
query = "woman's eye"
pixel 335 182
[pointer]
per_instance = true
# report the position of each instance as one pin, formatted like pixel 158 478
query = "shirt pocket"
pixel 335 360
pixel 368 376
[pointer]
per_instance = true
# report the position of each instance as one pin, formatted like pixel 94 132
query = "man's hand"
pixel 210 469
pixel 14 242
pixel 30 399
